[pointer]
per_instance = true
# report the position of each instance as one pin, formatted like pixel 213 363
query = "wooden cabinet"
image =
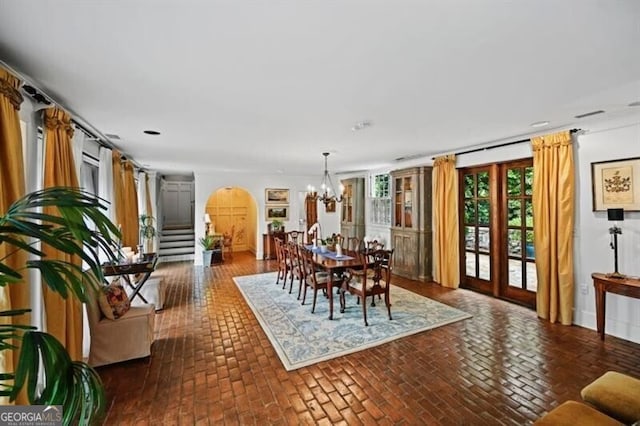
pixel 269 244
pixel 352 218
pixel 411 230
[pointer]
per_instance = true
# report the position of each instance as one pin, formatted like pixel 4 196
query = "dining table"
pixel 143 267
pixel 335 265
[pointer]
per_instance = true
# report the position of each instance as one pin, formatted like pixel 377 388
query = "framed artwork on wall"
pixel 276 196
pixel 330 207
pixel 616 184
pixel 280 212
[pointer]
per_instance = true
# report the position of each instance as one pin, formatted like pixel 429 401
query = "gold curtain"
pixel 64 317
pixel 149 207
pixel 311 209
pixel 118 188
pixel 445 214
pixel 553 218
pixel 12 187
pixel 130 229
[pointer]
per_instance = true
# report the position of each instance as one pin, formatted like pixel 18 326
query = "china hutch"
pixel 411 228
pixel 352 219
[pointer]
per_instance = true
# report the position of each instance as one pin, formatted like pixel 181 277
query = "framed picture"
pixel 616 184
pixel 278 212
pixel 330 207
pixel 276 196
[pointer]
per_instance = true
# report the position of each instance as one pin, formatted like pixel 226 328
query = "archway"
pixel 234 208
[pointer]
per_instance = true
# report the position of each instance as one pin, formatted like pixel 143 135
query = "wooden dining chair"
pixel 354 244
pixel 294 236
pixel 375 245
pixel 373 279
pixel 297 265
pixel 314 279
pixel 227 241
pixel 283 269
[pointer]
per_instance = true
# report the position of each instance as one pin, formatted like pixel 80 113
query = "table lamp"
pixel 207 222
pixel 615 215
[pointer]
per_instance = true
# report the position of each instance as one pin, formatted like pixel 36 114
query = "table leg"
pixel 330 292
pixel 601 296
pixel 138 287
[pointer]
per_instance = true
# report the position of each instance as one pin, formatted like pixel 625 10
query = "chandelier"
pixel 327 193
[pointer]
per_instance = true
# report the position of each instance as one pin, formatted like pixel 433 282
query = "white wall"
pixel 593 253
pixel 207 183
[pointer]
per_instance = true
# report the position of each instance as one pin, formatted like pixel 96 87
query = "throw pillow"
pixel 114 301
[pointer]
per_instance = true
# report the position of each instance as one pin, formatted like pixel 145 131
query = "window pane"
pixel 483 184
pixel 484 239
pixel 531 254
pixel 515 273
pixel 513 182
pixel 514 212
pixel 468 186
pixel 532 277
pixel 528 213
pixel 471 264
pixel 528 181
pixel 514 242
pixel 485 267
pixel 470 237
pixel 470 212
pixel 483 212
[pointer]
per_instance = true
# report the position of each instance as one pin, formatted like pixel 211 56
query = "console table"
pixel 625 286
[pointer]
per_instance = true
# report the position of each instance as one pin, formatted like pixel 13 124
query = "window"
pixel 380 199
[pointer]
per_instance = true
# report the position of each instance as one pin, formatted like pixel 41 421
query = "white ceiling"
pixel 267 86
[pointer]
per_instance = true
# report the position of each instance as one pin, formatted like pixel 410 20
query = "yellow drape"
pixel 64 317
pixel 118 188
pixel 311 213
pixel 130 228
pixel 445 220
pixel 553 211
pixel 12 187
pixel 148 205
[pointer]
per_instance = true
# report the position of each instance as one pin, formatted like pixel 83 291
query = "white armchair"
pixel 128 337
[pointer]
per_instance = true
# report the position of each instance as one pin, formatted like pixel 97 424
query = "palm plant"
pixel 44 366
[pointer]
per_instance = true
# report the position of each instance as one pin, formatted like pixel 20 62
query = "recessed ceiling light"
pixel 540 124
pixel 634 104
pixel 151 132
pixel 361 125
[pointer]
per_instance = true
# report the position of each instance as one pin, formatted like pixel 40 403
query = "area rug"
pixel 301 338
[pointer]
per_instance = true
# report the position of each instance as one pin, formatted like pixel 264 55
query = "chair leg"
pixel 304 293
pixel 315 295
pixel 364 310
pixel 300 288
pixel 387 302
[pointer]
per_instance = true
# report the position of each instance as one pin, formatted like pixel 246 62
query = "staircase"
pixel 176 245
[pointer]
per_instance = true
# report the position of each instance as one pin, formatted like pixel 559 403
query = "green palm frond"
pixel 74 385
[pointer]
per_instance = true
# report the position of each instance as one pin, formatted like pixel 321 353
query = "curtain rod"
pixel 75 118
pixel 469 151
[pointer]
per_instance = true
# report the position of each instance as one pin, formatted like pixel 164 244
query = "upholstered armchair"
pixel 122 339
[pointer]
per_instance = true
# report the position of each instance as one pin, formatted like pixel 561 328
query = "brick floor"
pixel 213 364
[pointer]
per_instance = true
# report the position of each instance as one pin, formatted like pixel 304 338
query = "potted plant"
pixel 44 367
pixel 277 225
pixel 208 243
pixel 147 232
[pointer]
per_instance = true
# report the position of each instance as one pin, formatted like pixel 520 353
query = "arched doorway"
pixel 234 208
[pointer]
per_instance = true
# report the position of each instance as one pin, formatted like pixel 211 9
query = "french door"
pixel 496 216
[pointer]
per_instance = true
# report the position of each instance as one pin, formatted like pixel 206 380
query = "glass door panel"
pixel 519 251
pixel 477 229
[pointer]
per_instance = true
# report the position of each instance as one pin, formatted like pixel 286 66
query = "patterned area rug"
pixel 301 338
